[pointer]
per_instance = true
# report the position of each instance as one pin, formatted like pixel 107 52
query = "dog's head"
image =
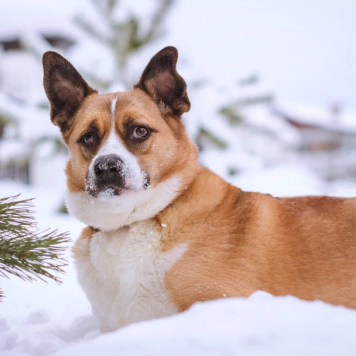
pixel 129 153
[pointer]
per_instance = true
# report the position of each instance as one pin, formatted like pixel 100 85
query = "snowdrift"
pixel 259 325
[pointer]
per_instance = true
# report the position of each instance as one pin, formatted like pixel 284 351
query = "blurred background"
pixel 272 85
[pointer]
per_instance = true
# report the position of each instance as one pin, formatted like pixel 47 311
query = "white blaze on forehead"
pixel 134 177
pixel 113 108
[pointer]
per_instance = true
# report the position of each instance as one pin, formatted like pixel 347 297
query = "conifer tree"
pixel 24 252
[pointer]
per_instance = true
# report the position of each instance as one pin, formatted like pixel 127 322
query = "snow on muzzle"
pixel 110 176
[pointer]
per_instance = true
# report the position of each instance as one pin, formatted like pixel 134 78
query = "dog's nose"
pixel 108 168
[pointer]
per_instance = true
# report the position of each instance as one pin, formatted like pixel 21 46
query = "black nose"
pixel 109 169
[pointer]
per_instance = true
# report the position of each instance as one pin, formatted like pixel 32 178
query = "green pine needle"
pixel 24 252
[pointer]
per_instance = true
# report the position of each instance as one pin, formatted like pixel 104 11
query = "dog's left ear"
pixel 161 81
pixel 65 89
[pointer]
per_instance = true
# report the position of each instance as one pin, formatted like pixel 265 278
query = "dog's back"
pixel 304 246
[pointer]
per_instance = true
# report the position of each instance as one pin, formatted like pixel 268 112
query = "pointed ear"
pixel 161 81
pixel 65 89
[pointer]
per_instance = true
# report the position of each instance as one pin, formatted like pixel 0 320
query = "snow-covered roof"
pixel 35 123
pixel 345 121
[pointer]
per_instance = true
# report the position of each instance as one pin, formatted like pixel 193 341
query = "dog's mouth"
pixel 110 190
pixel 106 191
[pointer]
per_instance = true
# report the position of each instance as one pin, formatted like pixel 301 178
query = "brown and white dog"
pixel 164 232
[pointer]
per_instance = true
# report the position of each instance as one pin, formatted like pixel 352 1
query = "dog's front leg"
pixel 81 248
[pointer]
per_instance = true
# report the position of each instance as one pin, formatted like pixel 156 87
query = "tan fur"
pixel 240 242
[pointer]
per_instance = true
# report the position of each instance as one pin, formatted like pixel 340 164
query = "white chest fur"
pixel 122 273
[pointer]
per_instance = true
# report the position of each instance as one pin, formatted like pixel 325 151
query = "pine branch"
pixel 24 252
pixel 205 135
pixel 134 39
pixel 91 30
pixel 32 257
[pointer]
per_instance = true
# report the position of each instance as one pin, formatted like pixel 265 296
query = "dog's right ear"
pixel 65 89
pixel 161 81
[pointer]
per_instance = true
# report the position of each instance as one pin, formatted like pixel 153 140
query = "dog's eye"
pixel 141 132
pixel 88 139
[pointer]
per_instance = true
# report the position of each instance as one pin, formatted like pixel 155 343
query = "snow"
pixel 274 181
pixel 27 14
pixel 259 325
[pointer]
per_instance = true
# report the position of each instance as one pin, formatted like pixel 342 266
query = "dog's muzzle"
pixel 109 174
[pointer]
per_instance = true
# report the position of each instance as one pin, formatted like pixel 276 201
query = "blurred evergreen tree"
pixel 126 35
pixel 244 99
pixel 233 111
pixel 124 31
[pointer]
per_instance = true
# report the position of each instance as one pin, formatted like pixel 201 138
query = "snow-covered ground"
pixel 40 319
pixel 259 325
